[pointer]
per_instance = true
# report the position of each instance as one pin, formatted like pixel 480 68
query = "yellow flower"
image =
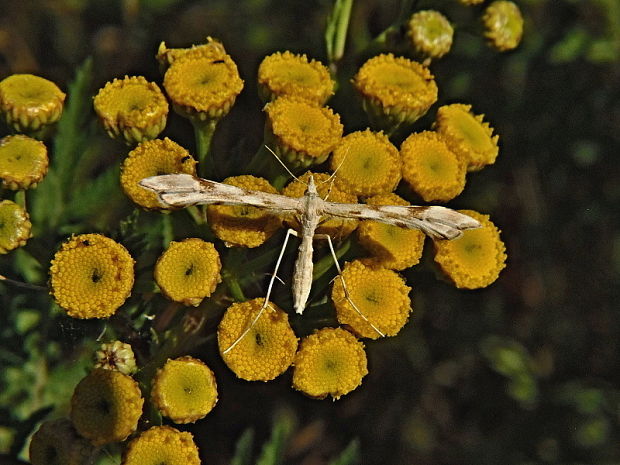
pixel 329 362
pixel 336 227
pixel 203 87
pixel 467 135
pixel 503 25
pixel 151 158
pixel 366 163
pixel 392 247
pixel 23 162
pixel 116 356
pixel 381 295
pixel 91 276
pixel 57 443
pixel 244 226
pixel 106 406
pixel 184 390
pixel 15 226
pixel 188 271
pixel 431 169
pixel 287 74
pixel 304 134
pixel 29 102
pixel 212 49
pixel 475 259
pixel 395 90
pixel 266 351
pixel 431 33
pixel 132 109
pixel 162 445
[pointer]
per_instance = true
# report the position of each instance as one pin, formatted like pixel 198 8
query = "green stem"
pixel 203 132
pixel 197 214
pixel 32 287
pixel 325 263
pixel 233 286
pixel 20 198
pixel 336 32
pixel 259 161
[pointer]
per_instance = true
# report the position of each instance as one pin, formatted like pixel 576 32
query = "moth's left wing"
pixel 437 222
pixel 183 190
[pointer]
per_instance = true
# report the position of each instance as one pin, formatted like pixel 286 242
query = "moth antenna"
pixel 344 287
pixel 285 167
pixel 332 177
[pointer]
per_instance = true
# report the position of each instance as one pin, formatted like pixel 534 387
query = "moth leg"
pixel 344 286
pixel 266 302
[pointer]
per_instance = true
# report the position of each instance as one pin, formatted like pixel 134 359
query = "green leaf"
pixel 243 448
pixel 336 29
pixel 90 199
pixel 350 455
pixel 273 450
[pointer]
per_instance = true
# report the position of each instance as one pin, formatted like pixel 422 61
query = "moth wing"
pixel 437 222
pixel 183 190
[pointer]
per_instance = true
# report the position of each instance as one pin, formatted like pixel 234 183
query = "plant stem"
pixel 325 263
pixel 32 287
pixel 203 133
pixel 233 286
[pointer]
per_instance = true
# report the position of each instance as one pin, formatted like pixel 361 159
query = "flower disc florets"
pixel 15 226
pixel 366 163
pixel 161 445
pixel 23 161
pixel 329 362
pixel 503 25
pixel 304 134
pixel 91 276
pixel 467 135
pixel 395 90
pixel 116 355
pixel 431 169
pixel 336 227
pixel 132 109
pixel 29 102
pixel 184 390
pixel 106 406
pixel 381 295
pixel 475 259
pixel 188 271
pixel 212 49
pixel 57 443
pixel 391 246
pixel 152 158
pixel 203 87
pixel 431 33
pixel 266 351
pixel 241 225
pixel 287 74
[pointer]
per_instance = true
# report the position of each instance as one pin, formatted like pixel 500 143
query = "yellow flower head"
pixel 132 109
pixel 106 406
pixel 151 158
pixel 28 102
pixel 304 134
pixel 503 25
pixel 212 49
pixel 391 246
pixel 91 276
pixel 431 33
pixel 188 271
pixel 475 259
pixel 395 90
pixel 162 445
pixel 116 355
pixel 57 443
pixel 335 227
pixel 329 362
pixel 381 295
pixel 431 169
pixel 467 135
pixel 266 351
pixel 244 226
pixel 23 161
pixel 367 164
pixel 287 74
pixel 203 87
pixel 184 390
pixel 15 226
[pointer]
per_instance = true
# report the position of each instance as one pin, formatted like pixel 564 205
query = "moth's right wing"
pixel 183 190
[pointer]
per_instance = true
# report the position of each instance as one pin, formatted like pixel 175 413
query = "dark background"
pixel 526 371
